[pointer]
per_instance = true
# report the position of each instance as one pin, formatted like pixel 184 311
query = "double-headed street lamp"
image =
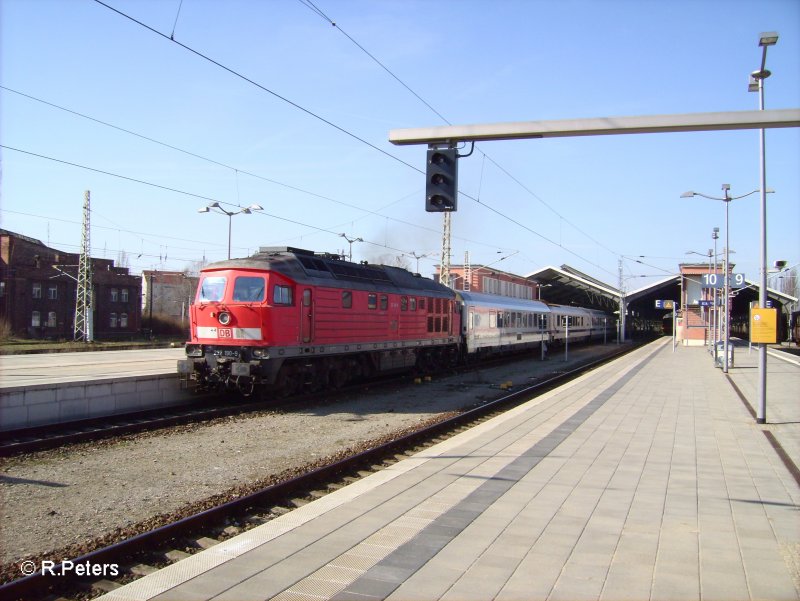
pixel 757 85
pixel 214 207
pixel 727 198
pixel 350 242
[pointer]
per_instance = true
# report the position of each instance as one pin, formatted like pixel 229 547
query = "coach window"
pixel 282 295
pixel 212 289
pixel 384 302
pixel 404 303
pixel 37 290
pixel 347 299
pixel 248 289
pixel 372 301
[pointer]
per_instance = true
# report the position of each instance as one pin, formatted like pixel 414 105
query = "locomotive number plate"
pixel 227 352
pixel 225 333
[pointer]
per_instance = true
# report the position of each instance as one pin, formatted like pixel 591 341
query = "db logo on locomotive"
pixel 225 333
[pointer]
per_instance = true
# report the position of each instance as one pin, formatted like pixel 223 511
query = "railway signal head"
pixel 441 188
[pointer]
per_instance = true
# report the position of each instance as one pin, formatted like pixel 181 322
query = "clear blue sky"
pixel 581 201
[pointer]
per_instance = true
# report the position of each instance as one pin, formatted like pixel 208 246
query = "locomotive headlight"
pixel 224 318
pixel 260 353
pixel 194 350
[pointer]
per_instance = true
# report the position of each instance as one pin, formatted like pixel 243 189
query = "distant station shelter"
pixel 692 295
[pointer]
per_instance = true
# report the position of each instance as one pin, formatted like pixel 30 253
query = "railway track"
pixel 148 551
pixel 208 407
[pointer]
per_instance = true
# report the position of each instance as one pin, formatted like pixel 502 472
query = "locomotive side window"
pixel 404 303
pixel 372 301
pixel 282 295
pixel 212 289
pixel 347 299
pixel 384 302
pixel 413 304
pixel 422 304
pixel 248 289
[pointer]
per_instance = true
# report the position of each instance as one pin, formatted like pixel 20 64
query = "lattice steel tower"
pixel 83 305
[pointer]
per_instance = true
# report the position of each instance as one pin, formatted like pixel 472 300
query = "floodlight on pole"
pixel 214 207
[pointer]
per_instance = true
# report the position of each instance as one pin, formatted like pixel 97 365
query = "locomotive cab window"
pixel 212 289
pixel 347 299
pixel 282 295
pixel 248 289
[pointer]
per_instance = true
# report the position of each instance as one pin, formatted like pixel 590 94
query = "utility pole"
pixel 621 336
pixel 444 271
pixel 84 327
pixel 467 271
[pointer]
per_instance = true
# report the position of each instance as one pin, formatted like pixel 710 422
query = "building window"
pixel 37 290
pixel 52 292
pixel 114 295
pixel 51 319
pixel 36 319
pixel 123 320
pixel 112 321
pixel 124 295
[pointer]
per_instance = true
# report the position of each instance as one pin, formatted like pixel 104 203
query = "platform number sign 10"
pixel 717 280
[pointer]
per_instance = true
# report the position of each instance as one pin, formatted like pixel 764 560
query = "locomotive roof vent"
pixel 271 250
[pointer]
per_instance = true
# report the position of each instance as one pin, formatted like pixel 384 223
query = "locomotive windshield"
pixel 248 290
pixel 212 289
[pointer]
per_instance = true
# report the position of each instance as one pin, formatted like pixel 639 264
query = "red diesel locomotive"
pixel 288 320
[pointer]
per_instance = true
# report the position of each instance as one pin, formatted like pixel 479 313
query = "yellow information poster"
pixel 764 326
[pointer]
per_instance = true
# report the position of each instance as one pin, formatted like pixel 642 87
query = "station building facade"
pixel 38 292
pixel 478 278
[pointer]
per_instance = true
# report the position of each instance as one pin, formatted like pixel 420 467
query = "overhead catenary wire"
pixel 260 86
pixel 307 111
pixel 314 8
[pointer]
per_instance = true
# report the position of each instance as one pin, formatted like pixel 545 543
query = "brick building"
pixel 38 289
pixel 491 281
pixel 697 319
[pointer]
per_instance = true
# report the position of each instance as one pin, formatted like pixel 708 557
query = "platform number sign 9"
pixel 717 280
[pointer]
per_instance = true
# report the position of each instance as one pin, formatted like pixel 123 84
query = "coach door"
pixel 307 319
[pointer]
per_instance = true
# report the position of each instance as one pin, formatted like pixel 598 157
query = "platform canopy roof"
pixel 565 285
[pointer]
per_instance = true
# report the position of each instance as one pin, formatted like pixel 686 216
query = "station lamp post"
pixel 350 241
pixel 214 207
pixel 757 85
pixel 727 198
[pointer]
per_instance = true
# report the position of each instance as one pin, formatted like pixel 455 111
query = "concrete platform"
pixel 52 388
pixel 645 479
